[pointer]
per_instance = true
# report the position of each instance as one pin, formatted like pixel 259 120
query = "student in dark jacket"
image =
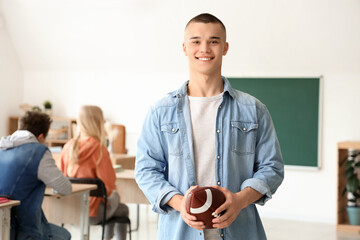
pixel 26 167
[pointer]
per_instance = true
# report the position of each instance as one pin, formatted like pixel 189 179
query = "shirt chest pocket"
pixel 172 136
pixel 243 137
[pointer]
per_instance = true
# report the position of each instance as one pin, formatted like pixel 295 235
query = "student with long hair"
pixel 86 156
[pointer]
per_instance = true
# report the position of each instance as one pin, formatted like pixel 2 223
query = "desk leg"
pixel 5 223
pixel 84 218
pixel 137 218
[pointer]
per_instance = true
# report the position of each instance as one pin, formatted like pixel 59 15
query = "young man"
pixel 205 134
pixel 26 166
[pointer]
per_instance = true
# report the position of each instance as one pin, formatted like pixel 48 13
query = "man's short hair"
pixel 206 18
pixel 35 122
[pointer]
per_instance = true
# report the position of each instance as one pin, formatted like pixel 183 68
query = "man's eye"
pixel 196 42
pixel 214 42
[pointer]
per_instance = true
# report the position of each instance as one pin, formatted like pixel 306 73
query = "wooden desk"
pixel 56 157
pixel 125 160
pixel 128 189
pixel 5 218
pixel 72 209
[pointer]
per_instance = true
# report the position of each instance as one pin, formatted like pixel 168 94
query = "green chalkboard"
pixel 294 107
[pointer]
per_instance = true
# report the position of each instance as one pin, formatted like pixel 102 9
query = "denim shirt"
pixel 247 154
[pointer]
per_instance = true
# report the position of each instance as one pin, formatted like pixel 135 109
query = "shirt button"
pixel 173 129
pixel 220 106
pixel 222 235
pixel 218 183
pixel 244 129
pixel 218 131
pixel 218 157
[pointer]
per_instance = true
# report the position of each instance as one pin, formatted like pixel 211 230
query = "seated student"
pixel 26 166
pixel 86 156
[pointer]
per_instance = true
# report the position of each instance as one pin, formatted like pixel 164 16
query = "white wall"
pixel 124 55
pixel 11 79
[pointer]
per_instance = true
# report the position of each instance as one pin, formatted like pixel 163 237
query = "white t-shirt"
pixel 203 111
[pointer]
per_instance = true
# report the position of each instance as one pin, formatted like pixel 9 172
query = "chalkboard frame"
pixel 316 162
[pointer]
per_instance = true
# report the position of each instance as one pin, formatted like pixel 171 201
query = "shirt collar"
pixel 182 91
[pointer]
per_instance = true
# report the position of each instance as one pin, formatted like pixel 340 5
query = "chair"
pixel 119 141
pixel 101 192
pixel 14 215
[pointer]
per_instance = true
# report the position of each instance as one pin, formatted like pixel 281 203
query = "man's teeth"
pixel 204 59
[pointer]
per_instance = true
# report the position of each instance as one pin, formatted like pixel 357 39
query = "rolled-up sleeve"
pixel 269 165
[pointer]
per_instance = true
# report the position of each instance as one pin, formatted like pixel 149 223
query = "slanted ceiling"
pixel 74 35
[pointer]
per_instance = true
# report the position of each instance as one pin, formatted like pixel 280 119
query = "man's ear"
pixel 184 49
pixel 226 48
pixel 41 138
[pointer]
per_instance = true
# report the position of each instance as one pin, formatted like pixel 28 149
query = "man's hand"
pixel 190 219
pixel 179 203
pixel 233 204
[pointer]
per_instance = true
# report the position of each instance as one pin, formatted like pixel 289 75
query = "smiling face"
pixel 205 45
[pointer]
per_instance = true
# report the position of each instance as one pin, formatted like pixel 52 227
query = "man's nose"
pixel 204 47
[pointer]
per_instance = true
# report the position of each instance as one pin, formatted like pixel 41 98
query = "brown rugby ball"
pixel 202 203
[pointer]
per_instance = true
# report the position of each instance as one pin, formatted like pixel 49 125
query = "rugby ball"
pixel 202 202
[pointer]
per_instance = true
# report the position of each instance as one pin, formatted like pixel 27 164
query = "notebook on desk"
pixel 4 200
pixel 118 167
